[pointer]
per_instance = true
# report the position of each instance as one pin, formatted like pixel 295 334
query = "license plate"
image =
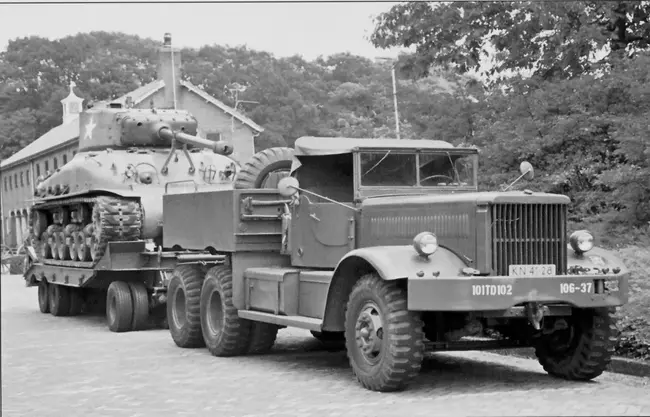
pixel 531 270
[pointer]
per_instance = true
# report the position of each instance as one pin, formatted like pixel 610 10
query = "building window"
pixel 215 136
pixel 16 179
pixel 22 180
pixel 47 166
pixel 65 159
pixel 27 176
pixel 6 185
pixel 10 185
pixel 38 170
pixel 56 164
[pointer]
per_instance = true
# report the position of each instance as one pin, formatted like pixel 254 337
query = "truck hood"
pixel 478 198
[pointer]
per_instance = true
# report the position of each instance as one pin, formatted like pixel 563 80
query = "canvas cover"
pixel 319 146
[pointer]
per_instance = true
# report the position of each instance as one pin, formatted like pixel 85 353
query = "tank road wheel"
pixel 262 337
pixel 52 238
pixel 225 334
pixel 384 340
pixel 184 305
pixel 265 169
pixel 119 307
pixel 59 297
pixel 579 347
pixel 82 243
pixel 43 297
pixel 44 246
pixel 70 249
pixel 140 306
pixel 76 301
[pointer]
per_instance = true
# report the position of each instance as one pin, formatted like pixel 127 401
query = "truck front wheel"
pixel 579 347
pixel 224 332
pixel 384 340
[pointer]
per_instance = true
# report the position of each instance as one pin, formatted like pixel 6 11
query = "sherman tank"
pixel 112 189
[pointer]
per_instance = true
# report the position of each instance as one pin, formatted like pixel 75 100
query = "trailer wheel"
pixel 119 307
pixel 184 306
pixel 224 332
pixel 59 297
pixel 581 348
pixel 76 301
pixel 265 169
pixel 262 337
pixel 140 306
pixel 43 297
pixel 331 340
pixel 384 340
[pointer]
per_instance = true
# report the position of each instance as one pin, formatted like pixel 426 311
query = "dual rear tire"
pixel 200 312
pixel 127 306
pixel 59 300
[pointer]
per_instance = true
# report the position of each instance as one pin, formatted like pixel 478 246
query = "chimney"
pixel 169 71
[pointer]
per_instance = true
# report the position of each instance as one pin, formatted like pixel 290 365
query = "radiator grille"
pixel 528 234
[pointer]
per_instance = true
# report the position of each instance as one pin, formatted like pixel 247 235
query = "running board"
pixel 302 322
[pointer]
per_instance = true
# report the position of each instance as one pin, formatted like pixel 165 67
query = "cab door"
pixel 321 233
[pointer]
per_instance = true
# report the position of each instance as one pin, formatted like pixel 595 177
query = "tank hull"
pixel 116 195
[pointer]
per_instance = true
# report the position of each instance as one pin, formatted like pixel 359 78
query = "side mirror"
pixel 288 186
pixel 527 171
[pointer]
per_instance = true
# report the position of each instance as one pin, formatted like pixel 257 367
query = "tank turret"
pixel 112 189
pixel 115 127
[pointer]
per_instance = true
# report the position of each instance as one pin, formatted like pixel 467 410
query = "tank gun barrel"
pixel 219 147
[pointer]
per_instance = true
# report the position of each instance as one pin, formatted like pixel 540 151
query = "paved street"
pixel 76 367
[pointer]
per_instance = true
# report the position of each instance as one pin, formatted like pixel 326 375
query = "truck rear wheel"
pixel 262 337
pixel 43 297
pixel 119 307
pixel 384 340
pixel 224 332
pixel 184 306
pixel 265 169
pixel 59 298
pixel 76 301
pixel 582 350
pixel 140 306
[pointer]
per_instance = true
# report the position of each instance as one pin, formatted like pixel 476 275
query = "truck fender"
pixel 390 263
pixel 597 257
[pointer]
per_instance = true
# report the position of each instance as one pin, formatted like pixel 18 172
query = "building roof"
pixel 68 132
pixel 312 146
pixel 226 109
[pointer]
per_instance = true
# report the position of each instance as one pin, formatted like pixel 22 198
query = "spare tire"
pixel 265 169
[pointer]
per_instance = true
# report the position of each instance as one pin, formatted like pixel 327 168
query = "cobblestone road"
pixel 75 367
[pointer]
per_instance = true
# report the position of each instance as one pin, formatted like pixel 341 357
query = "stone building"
pixel 55 148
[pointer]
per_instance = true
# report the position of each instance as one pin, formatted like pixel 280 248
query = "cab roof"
pixel 313 146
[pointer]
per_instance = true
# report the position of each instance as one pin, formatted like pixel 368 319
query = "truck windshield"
pixel 426 169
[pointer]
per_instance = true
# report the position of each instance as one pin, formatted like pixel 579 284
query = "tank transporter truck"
pixel 389 246
pixel 95 221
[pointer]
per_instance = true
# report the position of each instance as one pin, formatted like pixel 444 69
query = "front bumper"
pixel 479 293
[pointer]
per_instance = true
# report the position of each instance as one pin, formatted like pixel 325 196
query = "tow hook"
pixel 535 314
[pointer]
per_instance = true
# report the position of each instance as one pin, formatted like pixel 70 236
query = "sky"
pixel 283 29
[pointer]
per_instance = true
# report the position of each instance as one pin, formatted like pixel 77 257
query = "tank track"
pixel 82 244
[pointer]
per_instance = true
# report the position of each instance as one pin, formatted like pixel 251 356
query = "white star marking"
pixel 89 129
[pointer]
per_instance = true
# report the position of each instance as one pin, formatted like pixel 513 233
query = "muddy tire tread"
pixel 190 278
pixel 407 347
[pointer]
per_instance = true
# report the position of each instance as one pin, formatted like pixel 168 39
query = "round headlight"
pixel 425 243
pixel 581 241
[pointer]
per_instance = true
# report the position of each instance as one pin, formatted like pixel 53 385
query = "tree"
pixel 549 39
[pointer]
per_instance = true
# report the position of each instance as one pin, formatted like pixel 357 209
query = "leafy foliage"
pixel 552 39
